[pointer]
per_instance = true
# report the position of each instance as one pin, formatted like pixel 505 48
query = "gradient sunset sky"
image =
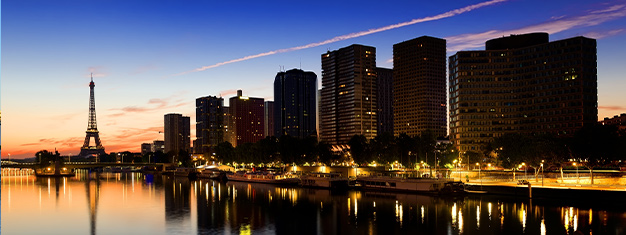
pixel 149 58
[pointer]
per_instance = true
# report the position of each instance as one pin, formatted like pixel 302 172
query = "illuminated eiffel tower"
pixel 92 128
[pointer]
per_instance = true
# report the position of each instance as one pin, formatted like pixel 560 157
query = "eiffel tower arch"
pixel 92 128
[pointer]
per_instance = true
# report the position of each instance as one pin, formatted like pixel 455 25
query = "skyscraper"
pixel 419 86
pixel 177 135
pixel 269 118
pixel 348 104
pixel 209 124
pixel 522 84
pixel 295 99
pixel 384 96
pixel 248 114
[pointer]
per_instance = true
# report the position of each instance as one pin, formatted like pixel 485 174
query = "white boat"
pixel 419 185
pixel 212 173
pixel 186 172
pixel 324 180
pixel 264 177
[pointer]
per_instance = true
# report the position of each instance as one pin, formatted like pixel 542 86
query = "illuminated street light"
pixel 577 178
pixel 524 165
pixel 479 179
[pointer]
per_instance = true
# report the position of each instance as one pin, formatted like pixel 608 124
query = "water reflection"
pixel 105 203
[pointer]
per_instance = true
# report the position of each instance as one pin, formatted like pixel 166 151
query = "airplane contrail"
pixel 353 35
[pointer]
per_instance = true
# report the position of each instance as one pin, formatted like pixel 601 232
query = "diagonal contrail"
pixel 353 35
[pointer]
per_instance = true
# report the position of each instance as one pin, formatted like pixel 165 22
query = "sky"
pixel 150 58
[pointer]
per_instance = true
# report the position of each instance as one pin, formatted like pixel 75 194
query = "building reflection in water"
pixel 209 207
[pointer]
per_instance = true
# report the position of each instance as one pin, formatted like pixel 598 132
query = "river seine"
pixel 133 203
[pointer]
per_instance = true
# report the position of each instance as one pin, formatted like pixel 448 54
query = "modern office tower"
pixel 249 118
pixel 522 84
pixel 229 130
pixel 177 135
pixel 348 94
pixel 295 99
pixel 269 118
pixel 209 124
pixel 419 86
pixel 384 96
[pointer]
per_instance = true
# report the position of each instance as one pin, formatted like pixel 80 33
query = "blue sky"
pixel 145 54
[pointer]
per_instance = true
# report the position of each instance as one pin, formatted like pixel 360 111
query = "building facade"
pixel 209 124
pixel 419 87
pixel 269 118
pixel 522 84
pixel 348 102
pixel 384 96
pixel 248 115
pixel 176 132
pixel 295 100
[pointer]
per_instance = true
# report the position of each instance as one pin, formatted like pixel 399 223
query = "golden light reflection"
pixel 543 227
pixel 489 209
pixel 460 222
pixel 478 217
pixel 523 217
pixel 422 210
pixel 349 207
pixel 356 208
pixel 401 215
pixel 453 213
pixel 397 211
pixel 245 229
pixel 590 216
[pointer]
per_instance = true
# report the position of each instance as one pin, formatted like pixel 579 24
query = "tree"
pixel 384 148
pixel 596 146
pixel 225 152
pixel 405 144
pixel 45 158
pixel 324 153
pixel 359 149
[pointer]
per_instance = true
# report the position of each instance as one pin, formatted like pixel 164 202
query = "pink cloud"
pixel 477 40
pixel 612 107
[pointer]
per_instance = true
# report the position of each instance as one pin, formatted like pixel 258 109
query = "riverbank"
pixel 550 190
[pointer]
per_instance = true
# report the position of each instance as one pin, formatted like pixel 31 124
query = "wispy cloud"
pixel 152 105
pixel 604 34
pixel 612 107
pixel 476 40
pixel 353 35
pixel 97 72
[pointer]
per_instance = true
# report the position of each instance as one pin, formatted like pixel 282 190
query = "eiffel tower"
pixel 92 128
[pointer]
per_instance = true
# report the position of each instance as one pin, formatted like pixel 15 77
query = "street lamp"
pixel 479 179
pixel 577 178
pixel 455 165
pixel 541 172
pixel 524 165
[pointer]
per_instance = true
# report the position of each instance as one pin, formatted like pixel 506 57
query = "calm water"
pixel 145 204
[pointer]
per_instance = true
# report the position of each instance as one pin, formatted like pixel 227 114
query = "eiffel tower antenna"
pixel 92 128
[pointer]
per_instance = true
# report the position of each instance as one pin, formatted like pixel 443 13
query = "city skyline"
pixel 145 58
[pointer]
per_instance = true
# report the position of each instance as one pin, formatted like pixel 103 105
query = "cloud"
pixel 477 40
pixel 97 72
pixel 603 34
pixel 143 69
pixel 612 107
pixel 353 35
pixel 152 105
